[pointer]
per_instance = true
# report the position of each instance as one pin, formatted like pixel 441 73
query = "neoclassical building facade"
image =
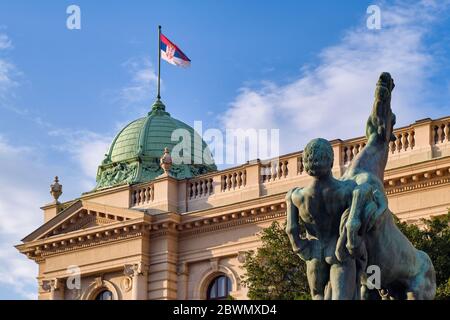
pixel 180 233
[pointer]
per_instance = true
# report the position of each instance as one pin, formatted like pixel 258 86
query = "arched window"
pixel 219 288
pixel 104 295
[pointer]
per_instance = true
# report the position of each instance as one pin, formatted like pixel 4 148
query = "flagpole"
pixel 159 62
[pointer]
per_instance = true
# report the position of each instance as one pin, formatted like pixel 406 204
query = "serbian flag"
pixel 172 54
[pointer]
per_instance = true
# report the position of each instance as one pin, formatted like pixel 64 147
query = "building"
pixel 180 233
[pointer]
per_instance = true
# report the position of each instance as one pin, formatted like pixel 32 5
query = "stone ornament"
pixel 126 284
pixel 241 257
pixel 50 285
pixel 348 225
pixel 56 189
pixel 166 161
pixel 132 270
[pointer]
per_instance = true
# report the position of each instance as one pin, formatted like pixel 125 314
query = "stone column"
pixel 164 259
pixel 138 274
pixel 183 276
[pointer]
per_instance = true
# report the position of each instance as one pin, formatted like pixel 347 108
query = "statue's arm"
pixel 299 245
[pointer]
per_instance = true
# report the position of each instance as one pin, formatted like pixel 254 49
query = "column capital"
pixel 135 269
pixel 50 285
pixel 183 269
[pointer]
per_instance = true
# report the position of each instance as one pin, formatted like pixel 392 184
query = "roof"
pixel 134 154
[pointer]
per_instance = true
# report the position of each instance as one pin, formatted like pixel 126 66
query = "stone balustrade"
pixel 233 180
pixel 142 195
pixel 350 149
pixel 274 170
pixel 405 141
pixel 440 131
pixel 202 187
pixel 421 141
pixel 300 168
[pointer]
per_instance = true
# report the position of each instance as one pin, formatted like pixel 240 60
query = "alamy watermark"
pixel 73 21
pixel 73 281
pixel 232 147
pixel 374 277
pixel 373 22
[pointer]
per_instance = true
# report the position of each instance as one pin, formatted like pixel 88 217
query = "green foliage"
pixel 443 291
pixel 274 271
pixel 434 239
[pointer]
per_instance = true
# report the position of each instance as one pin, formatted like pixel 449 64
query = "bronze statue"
pixel 348 223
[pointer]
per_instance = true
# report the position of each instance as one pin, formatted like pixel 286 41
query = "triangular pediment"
pixel 82 215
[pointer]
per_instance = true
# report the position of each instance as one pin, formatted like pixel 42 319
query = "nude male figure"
pixel 319 208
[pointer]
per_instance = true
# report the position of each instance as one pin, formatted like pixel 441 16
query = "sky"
pixel 307 68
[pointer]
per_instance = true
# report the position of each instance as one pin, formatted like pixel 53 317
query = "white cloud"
pixel 87 149
pixel 21 189
pixel 25 180
pixel 5 42
pixel 24 186
pixel 7 69
pixel 143 81
pixel 334 98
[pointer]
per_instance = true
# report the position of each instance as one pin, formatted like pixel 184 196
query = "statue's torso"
pixel 320 209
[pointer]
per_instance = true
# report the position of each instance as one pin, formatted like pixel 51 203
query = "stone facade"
pixel 169 238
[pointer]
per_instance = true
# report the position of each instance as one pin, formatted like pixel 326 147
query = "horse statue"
pixel 367 231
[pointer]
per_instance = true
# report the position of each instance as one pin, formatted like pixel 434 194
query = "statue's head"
pixel 318 157
pixel 386 80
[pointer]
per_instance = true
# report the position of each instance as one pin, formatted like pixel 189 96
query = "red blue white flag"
pixel 172 54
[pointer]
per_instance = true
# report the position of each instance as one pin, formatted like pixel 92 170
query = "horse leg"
pixel 423 285
pixel 354 220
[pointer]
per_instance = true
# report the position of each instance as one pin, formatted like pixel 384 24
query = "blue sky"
pixel 305 67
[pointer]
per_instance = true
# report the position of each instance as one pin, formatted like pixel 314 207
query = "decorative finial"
pixel 158 105
pixel 166 161
pixel 56 189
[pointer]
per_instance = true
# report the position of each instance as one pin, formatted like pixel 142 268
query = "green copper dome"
pixel 134 154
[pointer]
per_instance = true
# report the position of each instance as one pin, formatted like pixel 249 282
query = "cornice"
pixel 40 249
pixel 435 163
pixel 231 219
pixel 422 180
pixel 250 203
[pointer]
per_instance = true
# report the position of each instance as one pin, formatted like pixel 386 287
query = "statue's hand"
pixel 308 249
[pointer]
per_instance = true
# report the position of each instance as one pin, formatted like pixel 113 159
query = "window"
pixel 104 295
pixel 219 288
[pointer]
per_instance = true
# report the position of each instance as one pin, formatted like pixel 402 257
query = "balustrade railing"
pixel 300 168
pixel 274 170
pixel 142 195
pixel 350 150
pixel 440 132
pixel 418 136
pixel 233 180
pixel 405 141
pixel 200 188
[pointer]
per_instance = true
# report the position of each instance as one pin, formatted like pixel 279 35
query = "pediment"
pixel 82 215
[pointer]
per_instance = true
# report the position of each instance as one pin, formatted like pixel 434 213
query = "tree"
pixel 274 271
pixel 434 239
